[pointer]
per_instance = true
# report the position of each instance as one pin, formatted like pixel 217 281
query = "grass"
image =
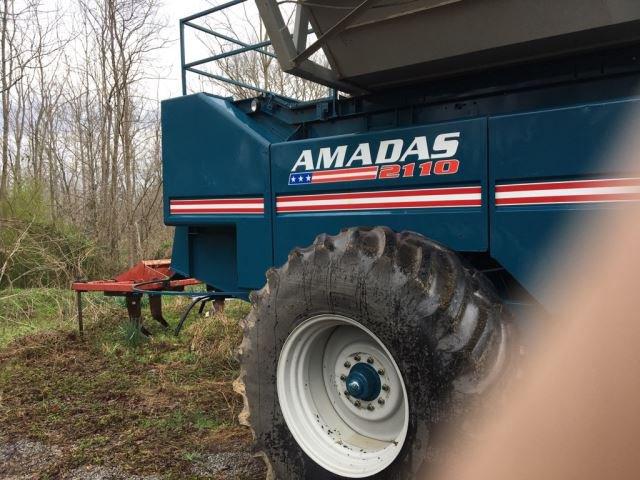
pixel 33 310
pixel 29 311
pixel 149 406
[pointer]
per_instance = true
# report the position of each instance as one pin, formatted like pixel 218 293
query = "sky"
pixel 169 57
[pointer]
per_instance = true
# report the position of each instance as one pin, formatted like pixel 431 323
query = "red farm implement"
pixel 149 277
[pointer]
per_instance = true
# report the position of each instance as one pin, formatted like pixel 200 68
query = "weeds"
pixel 27 311
pixel 35 253
pixel 132 334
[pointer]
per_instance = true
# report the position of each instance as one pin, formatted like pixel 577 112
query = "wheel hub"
pixel 364 382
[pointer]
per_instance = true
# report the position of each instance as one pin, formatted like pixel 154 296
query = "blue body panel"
pixel 210 149
pixel 215 150
pixel 571 143
pixel 462 229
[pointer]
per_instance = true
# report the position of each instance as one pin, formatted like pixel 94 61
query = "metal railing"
pixel 188 22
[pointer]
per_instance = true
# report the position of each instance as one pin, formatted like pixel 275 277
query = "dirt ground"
pixel 115 406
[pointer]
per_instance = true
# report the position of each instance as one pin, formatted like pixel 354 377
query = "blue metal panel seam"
pixel 272 201
pixel 491 187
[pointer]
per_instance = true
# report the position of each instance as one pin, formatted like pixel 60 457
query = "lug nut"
pixel 346 393
pixel 343 377
pixel 381 371
pixel 357 358
pixel 369 360
pixel 347 364
pixel 357 403
pixel 381 401
pixel 385 388
pixel 371 408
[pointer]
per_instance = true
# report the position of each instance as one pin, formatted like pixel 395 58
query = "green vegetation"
pixel 40 249
pixel 46 254
pixel 150 407
pixel 32 310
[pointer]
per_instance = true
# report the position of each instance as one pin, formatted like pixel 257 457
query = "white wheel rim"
pixel 343 438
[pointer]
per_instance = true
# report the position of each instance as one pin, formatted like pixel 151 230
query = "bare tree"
pixel 81 142
pixel 121 35
pixel 23 42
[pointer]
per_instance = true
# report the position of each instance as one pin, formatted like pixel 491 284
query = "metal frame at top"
pixel 291 49
pixel 244 47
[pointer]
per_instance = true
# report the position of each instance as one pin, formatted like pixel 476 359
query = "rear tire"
pixel 439 322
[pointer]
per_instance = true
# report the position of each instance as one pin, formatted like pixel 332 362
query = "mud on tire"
pixel 441 321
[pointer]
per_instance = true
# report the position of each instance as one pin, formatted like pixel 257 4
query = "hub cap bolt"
pixel 381 401
pixel 347 364
pixel 357 358
pixel 343 377
pixel 357 403
pixel 381 371
pixel 385 388
pixel 369 360
pixel 371 408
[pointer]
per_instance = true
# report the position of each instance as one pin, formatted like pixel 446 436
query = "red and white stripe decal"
pixel 345 175
pixel 578 191
pixel 381 200
pixel 216 206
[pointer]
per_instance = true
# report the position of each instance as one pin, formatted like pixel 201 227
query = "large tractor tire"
pixel 361 348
